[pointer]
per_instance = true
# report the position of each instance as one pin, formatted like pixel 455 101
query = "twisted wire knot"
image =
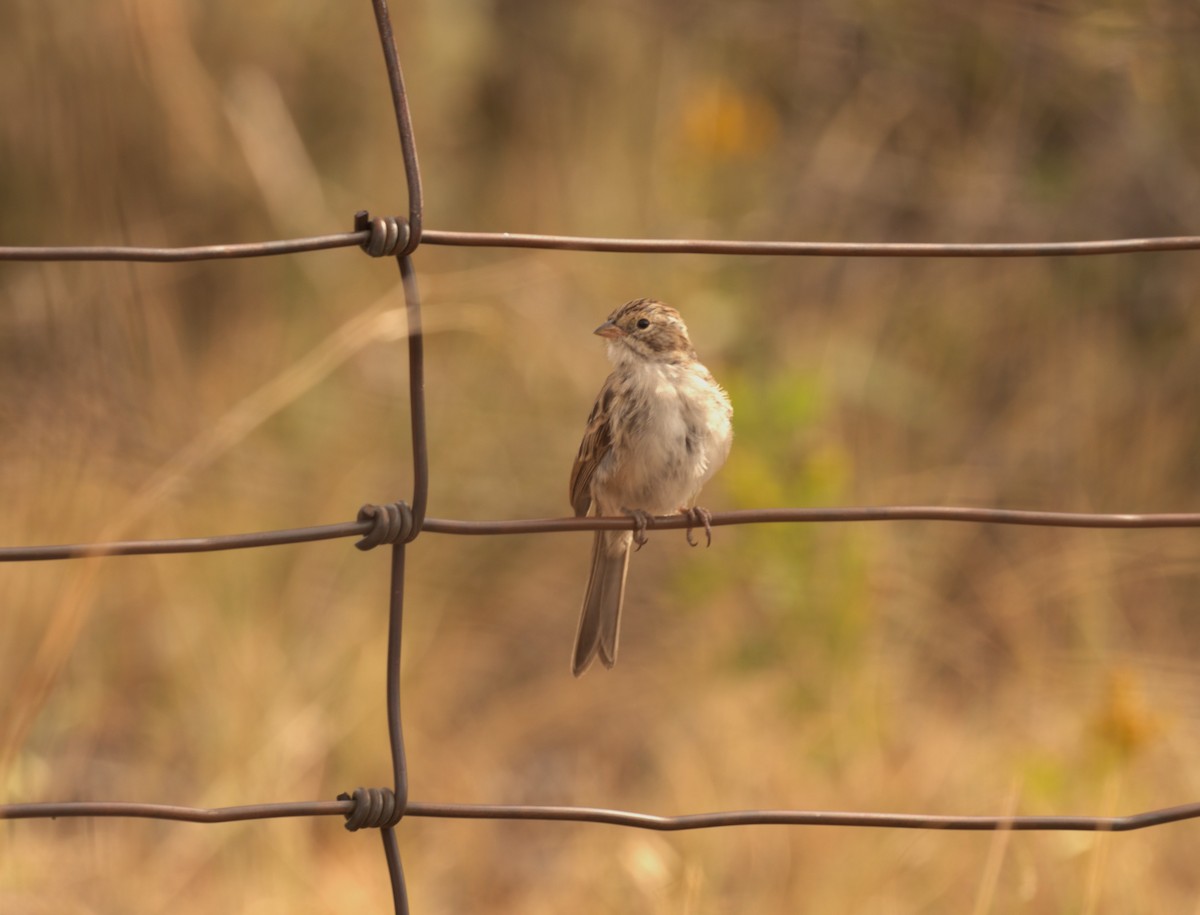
pixel 389 234
pixel 374 808
pixel 391 523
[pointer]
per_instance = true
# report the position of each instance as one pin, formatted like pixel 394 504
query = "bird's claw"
pixel 698 516
pixel 641 521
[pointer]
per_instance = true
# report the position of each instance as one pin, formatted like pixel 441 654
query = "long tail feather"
pixel 600 618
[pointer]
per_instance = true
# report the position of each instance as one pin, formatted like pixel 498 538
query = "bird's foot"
pixel 641 521
pixel 697 516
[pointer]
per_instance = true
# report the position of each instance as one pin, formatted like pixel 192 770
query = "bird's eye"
pixel 643 323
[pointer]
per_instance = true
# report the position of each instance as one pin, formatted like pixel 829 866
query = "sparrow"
pixel 660 427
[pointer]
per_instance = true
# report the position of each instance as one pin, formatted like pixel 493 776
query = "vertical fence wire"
pixel 420 446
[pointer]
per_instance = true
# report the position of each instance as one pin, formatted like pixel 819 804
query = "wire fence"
pixel 400 523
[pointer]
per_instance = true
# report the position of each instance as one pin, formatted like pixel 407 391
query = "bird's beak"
pixel 609 330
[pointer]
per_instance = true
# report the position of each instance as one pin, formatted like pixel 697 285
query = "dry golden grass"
pixel 905 667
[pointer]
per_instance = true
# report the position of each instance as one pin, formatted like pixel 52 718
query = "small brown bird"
pixel 661 426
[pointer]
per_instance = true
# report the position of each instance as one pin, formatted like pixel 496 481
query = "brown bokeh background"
pixel 902 667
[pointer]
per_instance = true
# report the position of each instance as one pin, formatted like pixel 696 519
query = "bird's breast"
pixel 670 433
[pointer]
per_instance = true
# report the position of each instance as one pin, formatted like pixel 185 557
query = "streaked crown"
pixel 652 329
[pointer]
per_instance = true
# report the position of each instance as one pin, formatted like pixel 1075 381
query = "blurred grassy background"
pixel 906 667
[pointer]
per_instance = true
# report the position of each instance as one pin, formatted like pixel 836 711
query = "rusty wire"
pixel 612 245
pixel 361 528
pixel 400 523
pixel 605 816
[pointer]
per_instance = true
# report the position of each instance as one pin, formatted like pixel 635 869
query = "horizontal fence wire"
pixel 614 817
pixel 613 245
pixel 399 523
pixel 879 513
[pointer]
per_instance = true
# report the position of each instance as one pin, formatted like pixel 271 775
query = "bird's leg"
pixel 698 516
pixel 641 521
